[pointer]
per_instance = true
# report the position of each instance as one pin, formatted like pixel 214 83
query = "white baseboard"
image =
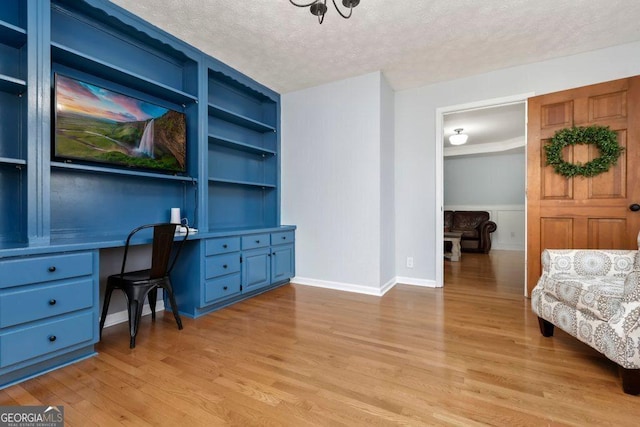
pixel 388 286
pixel 416 282
pixel 123 316
pixel 366 290
pixel 506 247
pixel 338 286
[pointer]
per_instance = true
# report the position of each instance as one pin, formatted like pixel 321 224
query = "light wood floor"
pixel 468 354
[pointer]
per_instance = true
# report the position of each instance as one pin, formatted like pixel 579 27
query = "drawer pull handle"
pixel 225 246
pixel 52 302
pixel 284 237
pixel 257 241
pixel 225 288
pixel 52 338
pixel 52 268
pixel 224 266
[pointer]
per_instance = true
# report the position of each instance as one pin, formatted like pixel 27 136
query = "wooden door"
pixel 583 212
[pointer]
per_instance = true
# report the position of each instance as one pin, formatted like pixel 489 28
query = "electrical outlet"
pixel 409 262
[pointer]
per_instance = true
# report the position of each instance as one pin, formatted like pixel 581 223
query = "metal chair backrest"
pixel 163 242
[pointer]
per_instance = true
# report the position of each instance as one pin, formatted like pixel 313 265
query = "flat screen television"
pixel 100 126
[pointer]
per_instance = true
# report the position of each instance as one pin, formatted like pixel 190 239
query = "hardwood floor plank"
pixel 468 354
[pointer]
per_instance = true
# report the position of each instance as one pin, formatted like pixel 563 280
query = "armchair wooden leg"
pixel 630 380
pixel 546 327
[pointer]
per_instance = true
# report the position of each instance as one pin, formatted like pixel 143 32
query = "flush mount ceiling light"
pixel 458 138
pixel 319 8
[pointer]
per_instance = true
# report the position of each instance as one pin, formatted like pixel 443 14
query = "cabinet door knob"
pixel 225 288
pixel 52 268
pixel 52 301
pixel 52 338
pixel 225 246
pixel 224 266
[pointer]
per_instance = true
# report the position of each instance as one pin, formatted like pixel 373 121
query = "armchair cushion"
pixel 598 296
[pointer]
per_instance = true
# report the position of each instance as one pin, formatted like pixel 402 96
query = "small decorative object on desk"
pixel 184 226
pixel 175 216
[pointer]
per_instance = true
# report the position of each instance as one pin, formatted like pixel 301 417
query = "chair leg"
pixel 630 380
pixel 546 327
pixel 105 306
pixel 174 306
pixel 136 296
pixel 153 296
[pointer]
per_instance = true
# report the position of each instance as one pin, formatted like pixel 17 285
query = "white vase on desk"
pixel 175 216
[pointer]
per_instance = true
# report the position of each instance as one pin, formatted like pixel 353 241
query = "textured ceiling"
pixel 414 43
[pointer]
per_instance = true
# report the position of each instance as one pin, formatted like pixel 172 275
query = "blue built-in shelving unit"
pixel 13 109
pixel 55 216
pixel 233 126
pixel 243 144
pixel 100 44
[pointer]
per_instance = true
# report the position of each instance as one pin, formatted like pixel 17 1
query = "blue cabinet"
pixel 282 262
pixel 256 269
pixel 48 311
pixel 272 263
pixel 217 271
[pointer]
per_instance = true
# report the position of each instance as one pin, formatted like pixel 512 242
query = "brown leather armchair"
pixel 476 228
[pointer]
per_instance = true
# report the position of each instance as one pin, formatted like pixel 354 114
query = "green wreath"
pixel 602 137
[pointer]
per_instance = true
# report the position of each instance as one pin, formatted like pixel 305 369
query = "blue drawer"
pixel 255 241
pixel 23 271
pixel 282 237
pixel 222 245
pixel 219 265
pixel 222 287
pixel 28 303
pixel 29 342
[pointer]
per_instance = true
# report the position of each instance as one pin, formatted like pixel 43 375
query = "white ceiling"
pixel 414 43
pixel 488 125
pixel 491 130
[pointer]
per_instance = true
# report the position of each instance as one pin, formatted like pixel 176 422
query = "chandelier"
pixel 319 7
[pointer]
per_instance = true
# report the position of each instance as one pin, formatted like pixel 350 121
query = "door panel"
pixel 256 269
pixel 281 262
pixel 557 233
pixel 554 186
pixel 583 212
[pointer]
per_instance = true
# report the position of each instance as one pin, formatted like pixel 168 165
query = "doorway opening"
pixel 496 146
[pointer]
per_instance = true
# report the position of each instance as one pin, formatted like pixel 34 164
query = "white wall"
pixel 415 134
pixel 331 181
pixel 387 186
pixel 497 179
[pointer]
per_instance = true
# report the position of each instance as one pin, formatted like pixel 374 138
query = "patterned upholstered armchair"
pixel 594 295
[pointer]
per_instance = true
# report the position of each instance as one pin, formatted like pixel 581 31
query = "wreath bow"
pixel 601 136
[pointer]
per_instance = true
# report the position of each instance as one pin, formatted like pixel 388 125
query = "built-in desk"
pixel 49 294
